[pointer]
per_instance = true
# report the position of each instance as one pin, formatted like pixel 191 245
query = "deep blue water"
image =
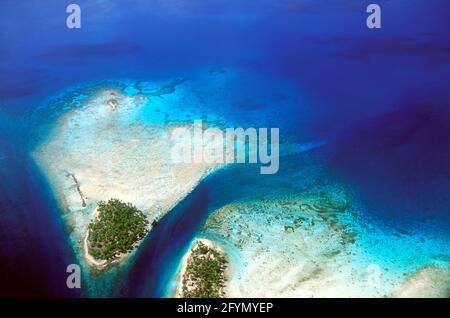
pixel 34 250
pixel 379 96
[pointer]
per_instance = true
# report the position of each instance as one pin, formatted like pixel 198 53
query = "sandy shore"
pixel 89 258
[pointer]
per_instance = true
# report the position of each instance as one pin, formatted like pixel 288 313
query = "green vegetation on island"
pixel 205 273
pixel 117 228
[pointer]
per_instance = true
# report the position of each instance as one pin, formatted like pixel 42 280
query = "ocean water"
pixel 365 109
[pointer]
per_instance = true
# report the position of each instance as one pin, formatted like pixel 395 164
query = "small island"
pixel 115 230
pixel 203 274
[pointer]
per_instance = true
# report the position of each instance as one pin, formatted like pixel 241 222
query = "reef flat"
pixel 319 243
pixel 105 148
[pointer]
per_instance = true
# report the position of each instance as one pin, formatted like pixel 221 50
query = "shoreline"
pixel 102 264
pixel 91 260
